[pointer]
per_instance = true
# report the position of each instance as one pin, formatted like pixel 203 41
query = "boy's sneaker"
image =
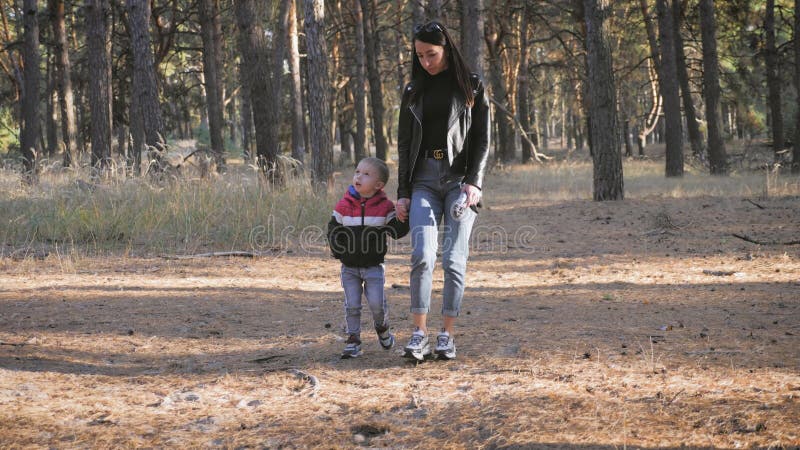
pixel 445 345
pixel 385 337
pixel 418 346
pixel 352 347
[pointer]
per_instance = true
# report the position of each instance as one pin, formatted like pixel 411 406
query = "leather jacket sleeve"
pixel 404 136
pixel 478 139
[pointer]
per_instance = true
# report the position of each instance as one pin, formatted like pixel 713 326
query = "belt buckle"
pixel 438 154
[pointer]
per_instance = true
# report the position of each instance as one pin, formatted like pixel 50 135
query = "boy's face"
pixel 367 180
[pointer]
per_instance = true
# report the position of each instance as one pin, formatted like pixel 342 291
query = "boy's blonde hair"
pixel 383 169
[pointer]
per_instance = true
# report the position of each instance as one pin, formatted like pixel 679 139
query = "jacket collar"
pixel 355 198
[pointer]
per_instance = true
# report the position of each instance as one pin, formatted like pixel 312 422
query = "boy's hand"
pixel 402 209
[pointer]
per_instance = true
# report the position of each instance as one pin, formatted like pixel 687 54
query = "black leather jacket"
pixel 468 134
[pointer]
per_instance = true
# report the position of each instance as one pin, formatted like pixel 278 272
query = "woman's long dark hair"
pixel 435 33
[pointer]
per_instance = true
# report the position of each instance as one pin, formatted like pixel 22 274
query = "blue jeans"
pixel 368 281
pixel 431 198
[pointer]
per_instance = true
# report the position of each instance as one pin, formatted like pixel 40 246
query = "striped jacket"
pixel 358 228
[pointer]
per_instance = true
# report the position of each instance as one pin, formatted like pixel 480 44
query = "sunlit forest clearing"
pixel 641 323
pixel 168 169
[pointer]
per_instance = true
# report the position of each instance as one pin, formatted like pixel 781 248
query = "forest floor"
pixel 637 323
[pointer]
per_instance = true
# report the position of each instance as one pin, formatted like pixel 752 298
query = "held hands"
pixel 402 209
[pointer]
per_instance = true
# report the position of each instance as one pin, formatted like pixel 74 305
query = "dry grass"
pixel 65 213
pixel 640 323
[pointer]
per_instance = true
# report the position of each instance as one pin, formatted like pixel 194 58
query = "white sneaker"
pixel 445 345
pixel 418 346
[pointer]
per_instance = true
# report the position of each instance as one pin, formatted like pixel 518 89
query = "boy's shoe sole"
pixel 351 355
pixel 391 342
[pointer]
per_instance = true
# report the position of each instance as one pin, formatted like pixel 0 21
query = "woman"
pixel 443 143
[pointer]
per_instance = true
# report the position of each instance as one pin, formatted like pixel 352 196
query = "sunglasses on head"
pixel 429 27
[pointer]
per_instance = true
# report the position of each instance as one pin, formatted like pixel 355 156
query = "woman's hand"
pixel 473 194
pixel 402 209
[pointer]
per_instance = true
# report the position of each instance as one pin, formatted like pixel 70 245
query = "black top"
pixel 436 101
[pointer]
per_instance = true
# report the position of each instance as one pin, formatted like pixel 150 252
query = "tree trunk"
pixel 371 39
pixel 523 107
pixel 418 12
pixel 99 82
pixel 31 121
pixel 319 97
pixel 608 181
pixel 147 113
pixel 796 152
pixel 210 32
pixel 64 81
pixel 255 56
pixel 773 80
pixel 472 42
pixel 495 35
pixel 544 119
pixel 359 82
pixel 695 137
pixel 279 53
pixel 436 10
pixel 717 156
pixel 652 39
pixel 668 80
pixel 51 103
pixel 298 118
pixel 246 114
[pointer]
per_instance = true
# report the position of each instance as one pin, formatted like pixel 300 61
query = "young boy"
pixel 357 236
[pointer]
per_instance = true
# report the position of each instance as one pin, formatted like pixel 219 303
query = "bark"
pixel 210 32
pixel 693 128
pixel 668 80
pixel 436 10
pixel 717 156
pixel 298 118
pixel 523 107
pixel 604 138
pixel 255 56
pixel 318 94
pixel 246 114
pixel 418 12
pixel 359 82
pixel 31 121
pixel 147 113
pixel 279 52
pixel 66 98
pixel 773 80
pixel 652 39
pixel 51 103
pixel 472 42
pixel 371 41
pixel 99 82
pixel 796 150
pixel 495 36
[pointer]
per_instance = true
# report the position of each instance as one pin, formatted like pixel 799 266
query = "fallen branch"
pixel 719 273
pixel 523 134
pixel 754 203
pixel 266 359
pixel 744 237
pixel 242 254
pixel 12 344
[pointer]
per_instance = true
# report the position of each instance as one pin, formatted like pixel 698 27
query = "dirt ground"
pixel 641 323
